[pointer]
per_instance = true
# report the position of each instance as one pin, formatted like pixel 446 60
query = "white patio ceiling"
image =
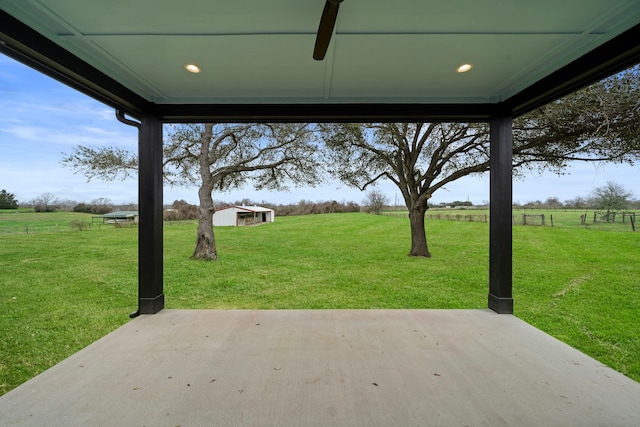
pixel 382 52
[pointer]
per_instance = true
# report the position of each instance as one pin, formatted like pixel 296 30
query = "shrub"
pixel 45 208
pixel 79 225
pixel 181 211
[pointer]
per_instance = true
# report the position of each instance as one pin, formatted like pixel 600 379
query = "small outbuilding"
pixel 120 217
pixel 236 216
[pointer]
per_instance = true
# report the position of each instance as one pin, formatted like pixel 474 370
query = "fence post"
pixel 551 218
pixel 633 221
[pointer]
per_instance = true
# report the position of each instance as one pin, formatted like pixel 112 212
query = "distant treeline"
pixel 91 208
pixel 47 202
pixel 306 207
pixel 181 210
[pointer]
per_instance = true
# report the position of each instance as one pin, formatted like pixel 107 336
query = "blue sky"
pixel 40 119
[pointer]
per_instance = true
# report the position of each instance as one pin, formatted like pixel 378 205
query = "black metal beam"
pixel 25 45
pixel 150 242
pixel 324 112
pixel 614 56
pixel 500 223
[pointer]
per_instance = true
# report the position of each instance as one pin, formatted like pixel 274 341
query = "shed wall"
pixel 236 216
pixel 225 218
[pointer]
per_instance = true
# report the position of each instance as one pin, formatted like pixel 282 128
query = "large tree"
pixel 599 123
pixel 216 157
pixel 419 158
pixel 611 197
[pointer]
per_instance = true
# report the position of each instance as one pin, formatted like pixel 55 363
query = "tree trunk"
pixel 418 235
pixel 206 242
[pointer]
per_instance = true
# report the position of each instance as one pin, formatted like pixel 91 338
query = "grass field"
pixel 63 289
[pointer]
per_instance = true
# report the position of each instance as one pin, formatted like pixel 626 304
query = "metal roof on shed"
pixel 247 208
pixel 120 214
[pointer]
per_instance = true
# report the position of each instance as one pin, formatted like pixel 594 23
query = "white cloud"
pixel 71 109
pixel 68 137
pixel 98 131
pixel 28 184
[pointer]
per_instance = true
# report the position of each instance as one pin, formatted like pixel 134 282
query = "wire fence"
pixel 611 220
pixel 622 221
pixel 531 219
pixel 61 227
pixel 33 228
pixel 610 217
pixel 459 217
pixel 525 219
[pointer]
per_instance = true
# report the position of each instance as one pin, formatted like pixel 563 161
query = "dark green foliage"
pixel 83 207
pixel 8 200
pixel 92 208
pixel 455 204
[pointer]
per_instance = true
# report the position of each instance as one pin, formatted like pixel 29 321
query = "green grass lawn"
pixel 60 291
pixel 63 290
pixel 327 261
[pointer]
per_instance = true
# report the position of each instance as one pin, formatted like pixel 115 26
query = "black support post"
pixel 150 244
pixel 500 234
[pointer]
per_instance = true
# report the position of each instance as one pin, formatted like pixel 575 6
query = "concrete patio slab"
pixel 326 368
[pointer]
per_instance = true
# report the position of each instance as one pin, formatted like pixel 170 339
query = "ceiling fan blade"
pixel 325 29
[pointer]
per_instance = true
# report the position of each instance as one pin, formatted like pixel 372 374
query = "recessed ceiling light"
pixel 464 68
pixel 192 68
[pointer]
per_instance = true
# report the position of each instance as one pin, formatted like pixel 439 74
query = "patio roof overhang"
pixel 387 61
